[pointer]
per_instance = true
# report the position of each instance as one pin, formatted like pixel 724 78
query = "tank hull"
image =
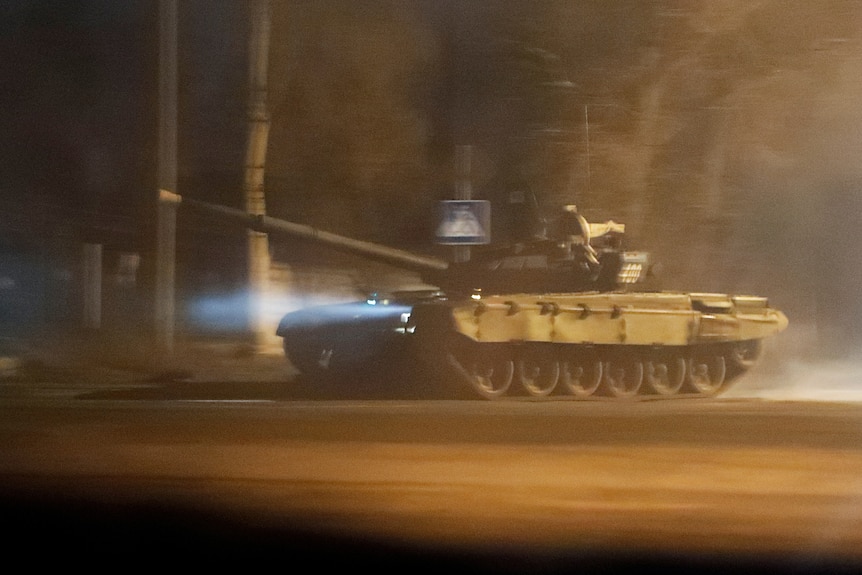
pixel 620 345
pixel 638 319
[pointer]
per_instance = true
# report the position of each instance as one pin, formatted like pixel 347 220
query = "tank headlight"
pixel 406 326
pixel 376 298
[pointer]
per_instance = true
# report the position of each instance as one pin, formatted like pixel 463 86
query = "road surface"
pixel 231 471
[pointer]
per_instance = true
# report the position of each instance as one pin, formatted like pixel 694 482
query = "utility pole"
pixel 255 159
pixel 167 178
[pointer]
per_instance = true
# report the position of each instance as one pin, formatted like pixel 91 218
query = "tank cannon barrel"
pixel 267 224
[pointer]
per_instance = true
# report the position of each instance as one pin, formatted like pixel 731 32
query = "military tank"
pixel 560 314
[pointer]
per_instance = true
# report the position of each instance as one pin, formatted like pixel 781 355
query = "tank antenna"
pixel 587 128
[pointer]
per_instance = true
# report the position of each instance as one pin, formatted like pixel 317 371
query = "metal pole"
pixel 92 286
pixel 167 177
pixel 463 191
pixel 587 137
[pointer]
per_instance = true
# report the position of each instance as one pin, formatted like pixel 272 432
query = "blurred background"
pixel 727 136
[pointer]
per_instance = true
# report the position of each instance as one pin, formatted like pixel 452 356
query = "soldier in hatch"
pixel 573 234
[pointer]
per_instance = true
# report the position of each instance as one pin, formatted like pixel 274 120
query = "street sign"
pixel 464 222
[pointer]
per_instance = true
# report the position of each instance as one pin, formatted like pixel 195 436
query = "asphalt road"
pixel 221 472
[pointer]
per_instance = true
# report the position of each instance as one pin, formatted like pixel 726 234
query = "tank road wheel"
pixel 745 354
pixel 488 371
pixel 491 376
pixel 706 373
pixel 666 375
pixel 623 378
pixel 309 358
pixel 581 376
pixel 739 357
pixel 538 373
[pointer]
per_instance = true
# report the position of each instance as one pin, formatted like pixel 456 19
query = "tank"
pixel 564 314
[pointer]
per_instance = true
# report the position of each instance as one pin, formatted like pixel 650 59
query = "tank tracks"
pixel 494 371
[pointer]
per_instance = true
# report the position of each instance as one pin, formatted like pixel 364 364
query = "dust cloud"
pixel 794 367
pixel 837 380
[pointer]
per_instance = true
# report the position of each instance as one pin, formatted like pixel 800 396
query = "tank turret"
pixel 577 255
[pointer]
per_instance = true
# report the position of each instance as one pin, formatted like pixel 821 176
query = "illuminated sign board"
pixel 464 222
